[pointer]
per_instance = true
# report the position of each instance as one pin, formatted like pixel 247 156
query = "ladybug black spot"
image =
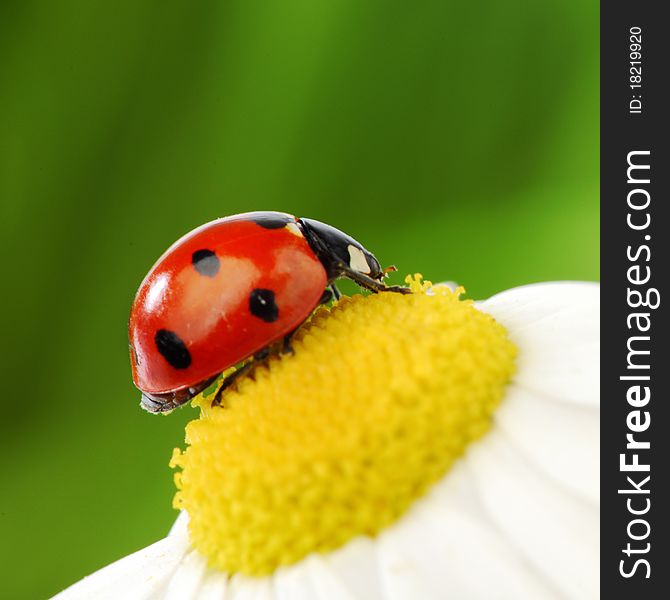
pixel 262 305
pixel 206 262
pixel 173 349
pixel 271 221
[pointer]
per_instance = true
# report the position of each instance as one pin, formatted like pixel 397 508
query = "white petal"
pixel 327 584
pixel 185 582
pixel 250 588
pixel 401 575
pixel 180 526
pixel 294 583
pixel 560 439
pixel 445 547
pixel 357 569
pixel 452 285
pixel 214 586
pixel 554 530
pixel 557 329
pixel 136 577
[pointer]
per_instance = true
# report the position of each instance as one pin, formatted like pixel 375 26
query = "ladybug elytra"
pixel 228 290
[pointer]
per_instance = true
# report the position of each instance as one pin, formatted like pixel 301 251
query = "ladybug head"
pixel 339 252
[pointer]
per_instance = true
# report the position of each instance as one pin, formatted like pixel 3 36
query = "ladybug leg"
pixel 262 354
pixel 371 284
pixel 330 293
pixel 229 380
pixel 287 348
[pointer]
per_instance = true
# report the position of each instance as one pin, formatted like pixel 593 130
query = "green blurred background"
pixel 456 139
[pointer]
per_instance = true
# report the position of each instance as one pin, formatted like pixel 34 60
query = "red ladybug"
pixel 228 290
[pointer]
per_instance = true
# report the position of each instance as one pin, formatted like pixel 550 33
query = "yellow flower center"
pixel 383 393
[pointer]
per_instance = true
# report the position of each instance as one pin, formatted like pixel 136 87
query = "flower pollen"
pixel 383 393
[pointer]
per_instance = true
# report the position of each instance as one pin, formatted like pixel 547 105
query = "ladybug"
pixel 230 289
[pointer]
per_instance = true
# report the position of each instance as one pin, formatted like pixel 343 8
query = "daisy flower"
pixel 414 447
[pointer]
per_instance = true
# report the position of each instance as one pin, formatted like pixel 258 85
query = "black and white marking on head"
pixel 272 220
pixel 262 305
pixel 293 228
pixel 335 249
pixel 357 260
pixel 172 348
pixel 206 262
